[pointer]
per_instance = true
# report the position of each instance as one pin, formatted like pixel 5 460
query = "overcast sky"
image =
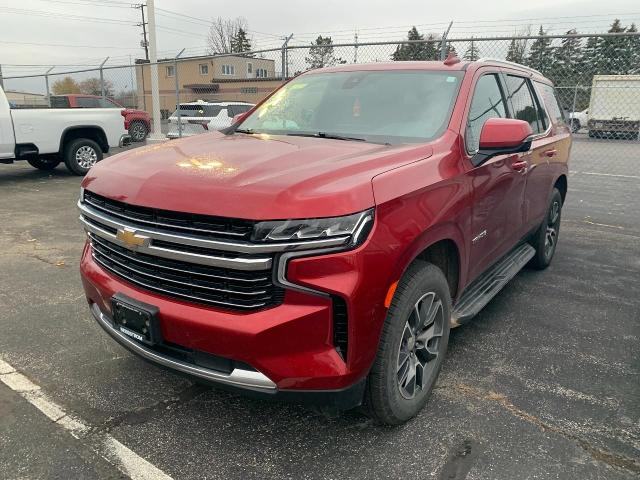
pixel 35 33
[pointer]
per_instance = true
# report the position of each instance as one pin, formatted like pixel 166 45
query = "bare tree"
pixel 223 34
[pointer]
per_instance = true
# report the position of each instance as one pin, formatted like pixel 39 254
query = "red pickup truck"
pixel 321 248
pixel 136 122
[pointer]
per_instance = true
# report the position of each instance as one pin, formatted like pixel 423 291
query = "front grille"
pixel 183 223
pixel 229 288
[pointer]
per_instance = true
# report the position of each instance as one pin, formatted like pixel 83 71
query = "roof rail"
pixel 506 62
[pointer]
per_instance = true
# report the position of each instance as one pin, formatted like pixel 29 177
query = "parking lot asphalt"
pixel 544 383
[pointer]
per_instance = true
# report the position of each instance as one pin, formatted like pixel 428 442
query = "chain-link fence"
pixel 597 80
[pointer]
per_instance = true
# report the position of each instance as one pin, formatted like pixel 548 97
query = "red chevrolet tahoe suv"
pixel 321 248
pixel 136 122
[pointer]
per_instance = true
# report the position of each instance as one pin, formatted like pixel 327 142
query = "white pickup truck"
pixel 47 136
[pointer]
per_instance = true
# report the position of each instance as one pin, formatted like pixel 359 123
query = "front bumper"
pixel 238 377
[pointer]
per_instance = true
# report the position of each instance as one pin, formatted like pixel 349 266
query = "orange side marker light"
pixel 390 292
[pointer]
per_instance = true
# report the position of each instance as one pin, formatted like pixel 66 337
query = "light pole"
pixel 155 93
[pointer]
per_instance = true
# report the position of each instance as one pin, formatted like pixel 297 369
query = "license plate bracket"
pixel 138 321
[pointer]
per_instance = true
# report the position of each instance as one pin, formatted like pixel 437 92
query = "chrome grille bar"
pixel 137 259
pixel 228 246
pixel 173 293
pixel 177 282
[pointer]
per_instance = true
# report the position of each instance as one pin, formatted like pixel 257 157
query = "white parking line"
pixel 604 174
pixel 123 458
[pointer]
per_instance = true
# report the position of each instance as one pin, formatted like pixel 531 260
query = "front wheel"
pixel 82 154
pixel 412 346
pixel 545 240
pixel 44 163
pixel 575 125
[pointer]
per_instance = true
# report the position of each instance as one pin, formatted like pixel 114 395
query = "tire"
pixel 545 240
pixel 81 154
pixel 575 125
pixel 44 163
pixel 391 398
pixel 138 131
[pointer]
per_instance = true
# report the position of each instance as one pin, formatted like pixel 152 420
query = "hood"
pixel 250 176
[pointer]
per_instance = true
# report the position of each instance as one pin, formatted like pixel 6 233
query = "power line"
pixel 67 45
pixel 91 3
pixel 39 13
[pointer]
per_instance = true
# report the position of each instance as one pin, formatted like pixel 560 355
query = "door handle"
pixel 519 165
pixel 550 153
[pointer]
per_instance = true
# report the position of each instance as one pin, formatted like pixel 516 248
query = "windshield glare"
pixel 378 106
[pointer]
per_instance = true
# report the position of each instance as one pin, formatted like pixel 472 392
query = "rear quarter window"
pixel 550 100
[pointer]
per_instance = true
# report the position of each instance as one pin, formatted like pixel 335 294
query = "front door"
pixel 498 184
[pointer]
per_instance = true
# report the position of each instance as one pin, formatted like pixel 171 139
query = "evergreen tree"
pixel 515 52
pixel 411 51
pixel 566 61
pixel 321 54
pixel 432 48
pixel 633 49
pixel 472 53
pixel 540 56
pixel 613 51
pixel 591 62
pixel 240 42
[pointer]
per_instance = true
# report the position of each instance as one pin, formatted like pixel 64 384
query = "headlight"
pixel 353 228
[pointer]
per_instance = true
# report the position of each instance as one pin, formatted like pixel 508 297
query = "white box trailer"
pixel 614 108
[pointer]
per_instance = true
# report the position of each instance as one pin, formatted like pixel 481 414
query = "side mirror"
pixel 501 136
pixel 238 118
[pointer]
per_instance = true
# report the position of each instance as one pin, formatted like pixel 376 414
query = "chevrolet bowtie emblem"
pixel 131 239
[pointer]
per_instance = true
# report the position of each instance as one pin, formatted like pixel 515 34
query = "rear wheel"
pixel 545 240
pixel 412 346
pixel 44 163
pixel 82 154
pixel 138 131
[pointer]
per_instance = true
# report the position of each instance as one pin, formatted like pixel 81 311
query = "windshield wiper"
pixel 332 136
pixel 248 131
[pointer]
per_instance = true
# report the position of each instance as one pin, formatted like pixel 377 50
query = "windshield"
pixel 198 110
pixel 377 106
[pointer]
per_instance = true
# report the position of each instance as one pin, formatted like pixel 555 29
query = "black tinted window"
pixel 88 102
pixel 550 100
pixel 59 102
pixel 524 105
pixel 198 110
pixel 487 102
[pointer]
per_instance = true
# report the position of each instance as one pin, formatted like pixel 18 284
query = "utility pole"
pixel 285 62
pixel 144 42
pixel 1 80
pixel 443 44
pixel 355 50
pixel 155 93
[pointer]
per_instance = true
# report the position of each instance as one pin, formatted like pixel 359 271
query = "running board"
pixel 487 285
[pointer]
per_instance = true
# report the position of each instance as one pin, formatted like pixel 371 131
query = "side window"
pixel 550 100
pixel 231 111
pixel 488 102
pixel 524 106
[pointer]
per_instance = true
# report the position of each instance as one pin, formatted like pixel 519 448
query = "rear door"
pixel 526 106
pixel 498 187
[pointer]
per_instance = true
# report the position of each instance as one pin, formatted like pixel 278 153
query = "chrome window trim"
pixel 238 247
pixel 238 377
